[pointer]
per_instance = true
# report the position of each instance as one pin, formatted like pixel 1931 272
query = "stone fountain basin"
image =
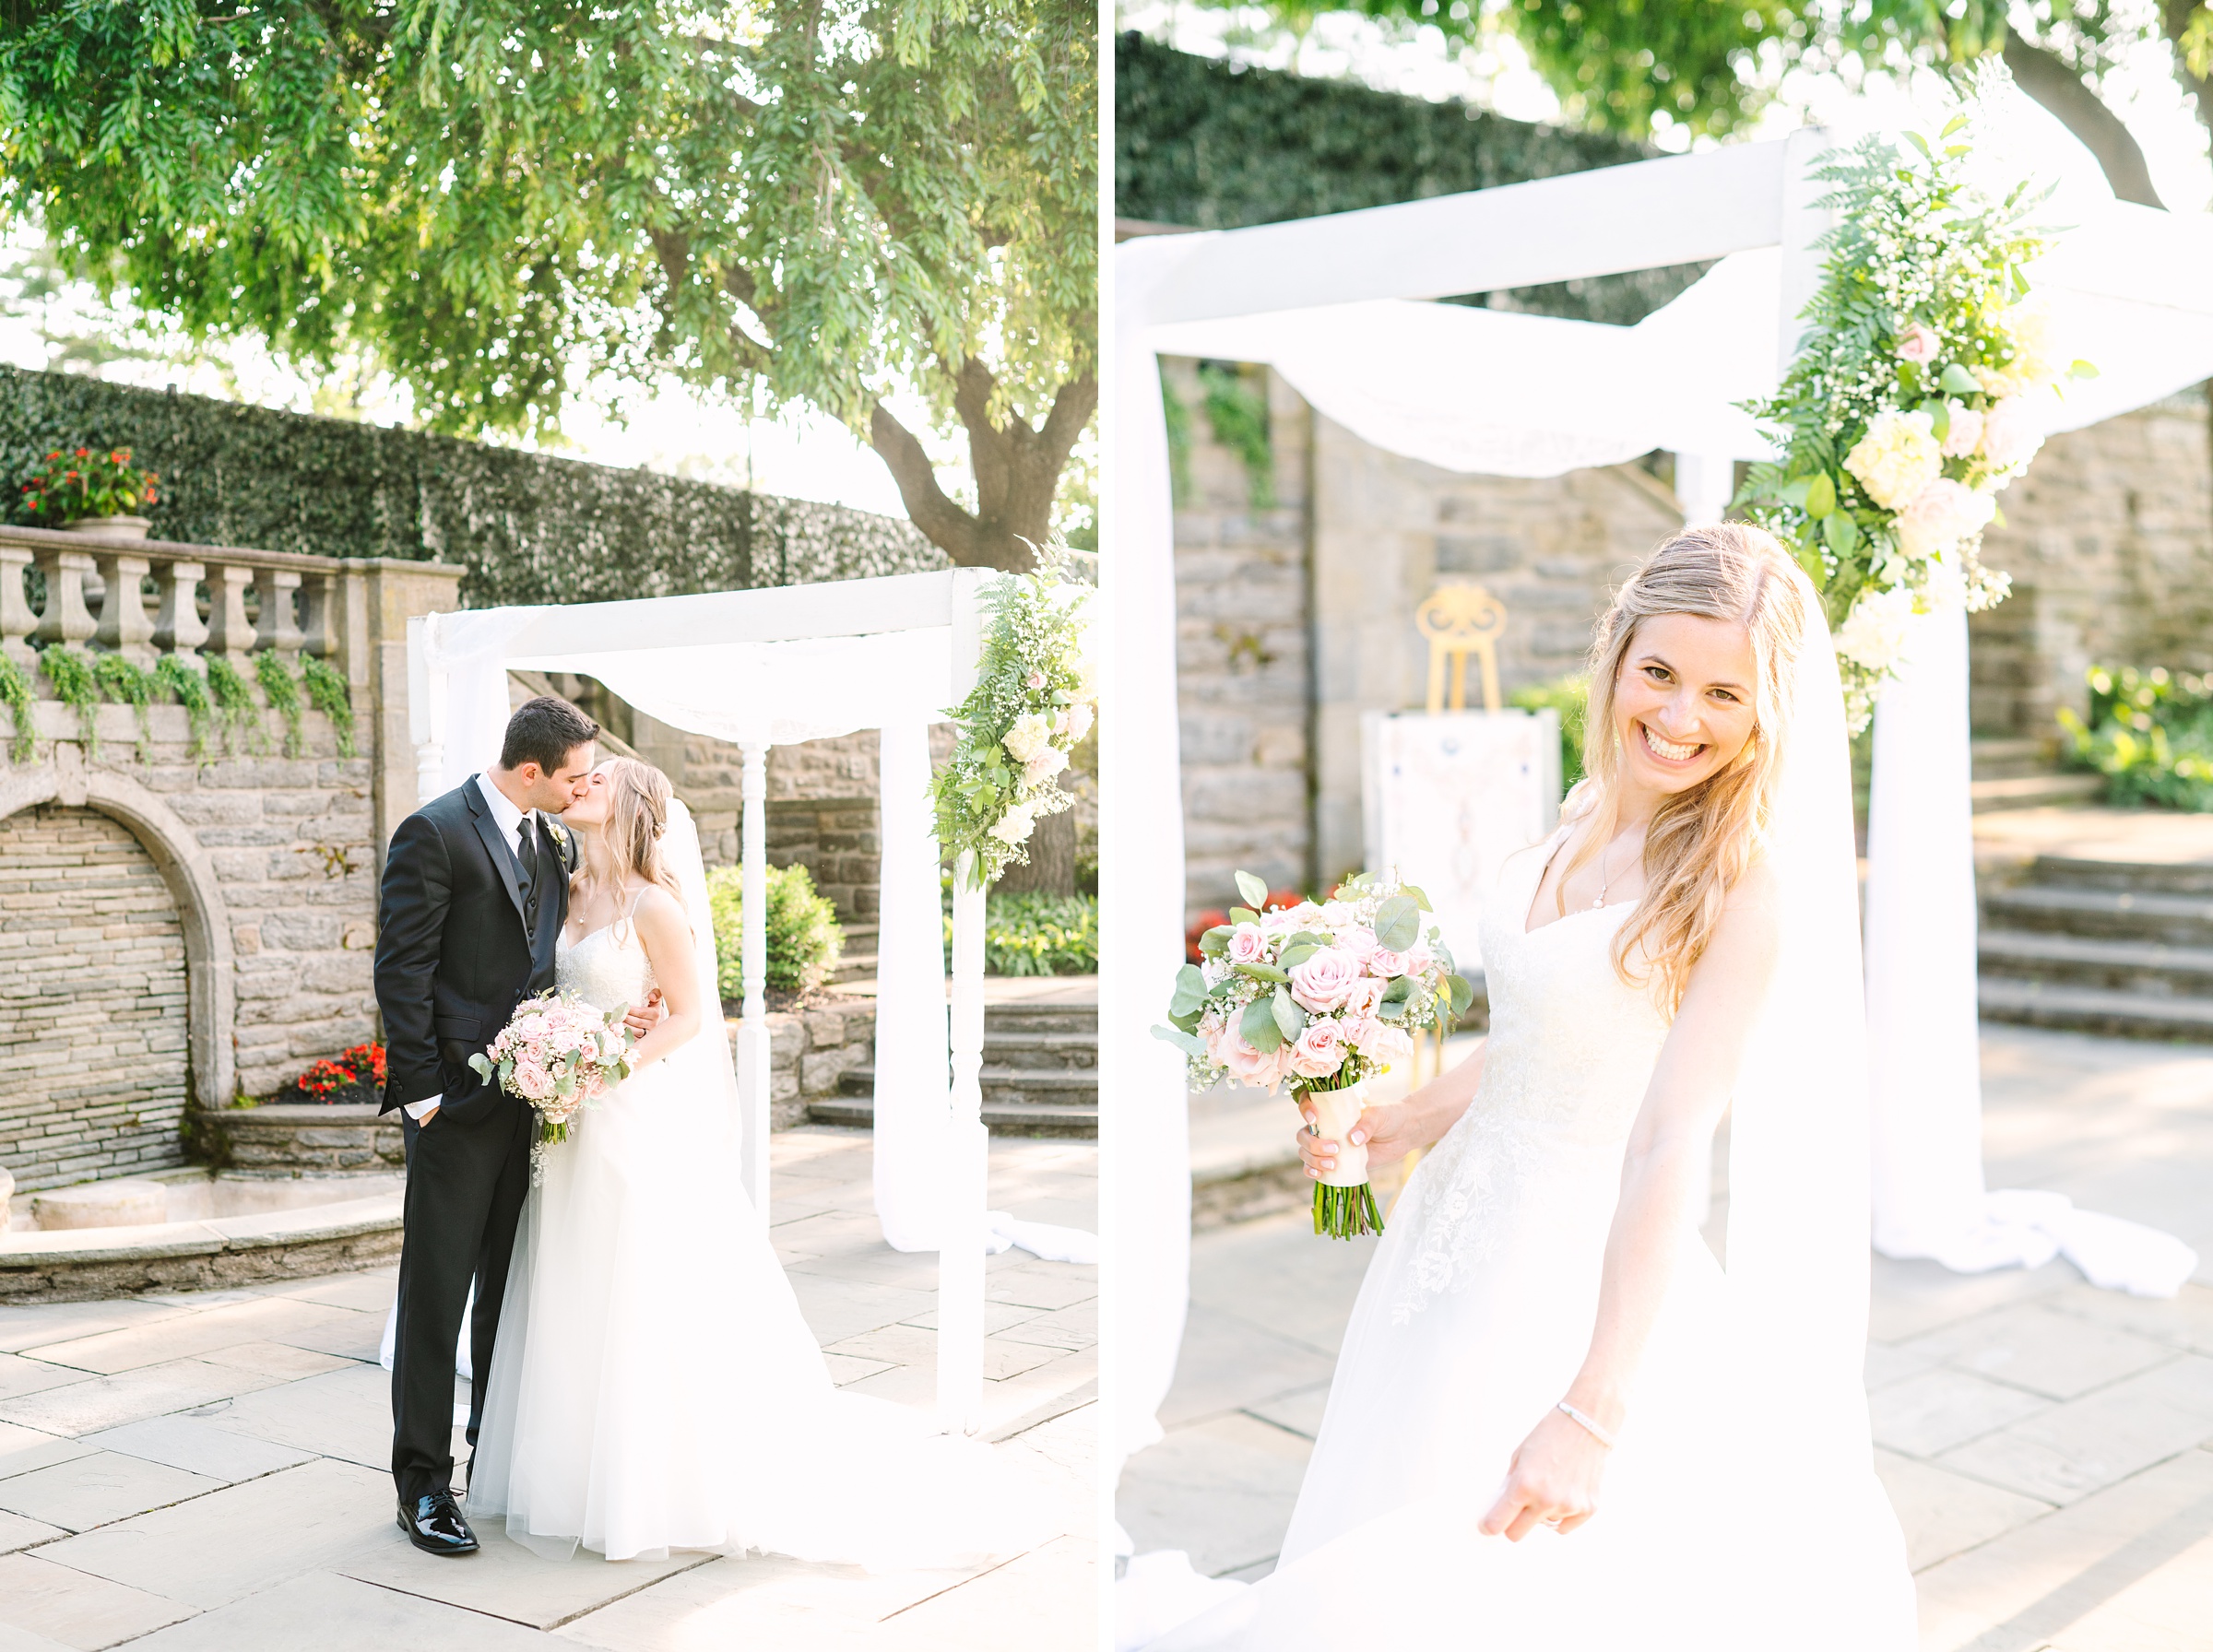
pixel 195 1230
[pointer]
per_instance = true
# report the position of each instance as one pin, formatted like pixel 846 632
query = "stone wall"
pixel 2109 538
pixel 1294 620
pixel 93 1069
pixel 1243 627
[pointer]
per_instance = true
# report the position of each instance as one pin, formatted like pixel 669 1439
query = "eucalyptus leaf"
pixel 1398 924
pixel 1459 994
pixel 1293 956
pixel 1261 972
pixel 1189 1022
pixel 1290 1020
pixel 1256 1026
pixel 1191 991
pixel 1183 1041
pixel 1215 942
pixel 1415 895
pixel 1243 914
pixel 1253 889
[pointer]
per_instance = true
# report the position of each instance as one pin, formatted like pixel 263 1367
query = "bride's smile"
pixel 1683 706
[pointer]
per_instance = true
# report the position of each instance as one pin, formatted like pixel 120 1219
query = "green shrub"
pixel 804 938
pixel 1570 696
pixel 2150 733
pixel 529 528
pixel 1035 933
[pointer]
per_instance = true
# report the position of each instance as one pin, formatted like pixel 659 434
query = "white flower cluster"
pixel 1921 370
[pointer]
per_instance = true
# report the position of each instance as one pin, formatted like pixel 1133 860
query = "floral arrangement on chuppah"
pixel 1322 997
pixel 1907 407
pixel 1036 686
pixel 561 1056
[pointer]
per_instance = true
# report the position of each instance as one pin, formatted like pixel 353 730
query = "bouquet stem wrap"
pixel 1345 1206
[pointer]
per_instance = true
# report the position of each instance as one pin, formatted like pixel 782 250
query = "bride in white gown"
pixel 654 1386
pixel 1557 1424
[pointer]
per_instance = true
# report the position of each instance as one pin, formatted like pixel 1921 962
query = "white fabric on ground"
pixel 1046 1241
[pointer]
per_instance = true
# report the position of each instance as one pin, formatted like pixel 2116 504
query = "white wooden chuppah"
pixel 1338 306
pixel 767 668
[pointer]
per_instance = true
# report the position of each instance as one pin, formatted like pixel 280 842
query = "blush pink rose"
pixel 1420 960
pixel 1380 1042
pixel 1321 982
pixel 1387 963
pixel 533 1080
pixel 1353 938
pixel 1918 343
pixel 1319 1051
pixel 1361 999
pixel 1247 944
pixel 1246 1065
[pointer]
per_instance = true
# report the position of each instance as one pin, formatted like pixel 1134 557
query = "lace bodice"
pixel 1569 1056
pixel 607 967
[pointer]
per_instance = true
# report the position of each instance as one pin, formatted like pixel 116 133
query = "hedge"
pixel 1216 146
pixel 528 528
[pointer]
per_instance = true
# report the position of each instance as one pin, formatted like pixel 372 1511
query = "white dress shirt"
pixel 509 819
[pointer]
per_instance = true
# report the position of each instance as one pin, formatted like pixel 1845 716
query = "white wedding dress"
pixel 1474 1315
pixel 654 1386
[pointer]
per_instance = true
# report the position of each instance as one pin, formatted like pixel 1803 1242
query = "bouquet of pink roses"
pixel 559 1054
pixel 1321 997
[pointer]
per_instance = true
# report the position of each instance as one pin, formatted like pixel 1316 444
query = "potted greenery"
pixel 88 493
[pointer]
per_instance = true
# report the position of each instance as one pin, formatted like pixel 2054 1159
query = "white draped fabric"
pixel 1325 301
pixel 761 668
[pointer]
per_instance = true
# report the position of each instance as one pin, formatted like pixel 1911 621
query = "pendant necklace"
pixel 1604 880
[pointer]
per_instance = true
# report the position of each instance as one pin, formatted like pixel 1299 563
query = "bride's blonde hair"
pixel 637 813
pixel 1700 840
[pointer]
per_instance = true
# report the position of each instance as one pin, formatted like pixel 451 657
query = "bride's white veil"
pixel 705 1061
pixel 1798 1238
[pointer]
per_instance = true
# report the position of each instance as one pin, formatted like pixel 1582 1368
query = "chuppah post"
pixel 967 1172
pixel 426 713
pixel 752 1031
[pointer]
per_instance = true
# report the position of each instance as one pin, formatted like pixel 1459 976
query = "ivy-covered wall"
pixel 527 528
pixel 1216 146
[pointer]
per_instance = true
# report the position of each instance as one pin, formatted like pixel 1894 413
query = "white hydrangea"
pixel 1942 514
pixel 1032 733
pixel 1897 458
pixel 1016 824
pixel 1874 633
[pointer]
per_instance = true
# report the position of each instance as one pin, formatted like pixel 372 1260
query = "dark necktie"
pixel 525 855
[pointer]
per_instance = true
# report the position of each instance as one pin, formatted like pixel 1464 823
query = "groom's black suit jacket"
pixel 455 947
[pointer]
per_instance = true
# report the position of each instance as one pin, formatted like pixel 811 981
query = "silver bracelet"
pixel 1588 1425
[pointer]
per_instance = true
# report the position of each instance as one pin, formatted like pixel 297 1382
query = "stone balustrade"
pixel 142 598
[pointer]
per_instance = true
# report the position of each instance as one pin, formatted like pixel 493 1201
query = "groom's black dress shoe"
pixel 434 1524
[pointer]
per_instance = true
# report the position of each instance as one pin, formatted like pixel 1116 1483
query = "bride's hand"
pixel 1552 1481
pixel 1385 1129
pixel 644 1017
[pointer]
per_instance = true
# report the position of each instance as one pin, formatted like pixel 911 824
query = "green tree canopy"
pixel 1621 66
pixel 814 202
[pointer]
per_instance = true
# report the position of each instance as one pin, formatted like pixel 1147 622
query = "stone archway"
pixel 148 942
pixel 93 1000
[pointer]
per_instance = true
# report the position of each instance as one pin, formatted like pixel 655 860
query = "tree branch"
pixel 947 527
pixel 2046 76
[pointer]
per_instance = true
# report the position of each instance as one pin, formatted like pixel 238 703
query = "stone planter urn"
pixel 114 527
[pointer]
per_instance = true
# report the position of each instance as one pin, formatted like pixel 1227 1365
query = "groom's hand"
pixel 648 1015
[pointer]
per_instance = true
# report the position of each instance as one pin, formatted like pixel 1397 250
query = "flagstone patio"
pixel 2049 1447
pixel 210 1471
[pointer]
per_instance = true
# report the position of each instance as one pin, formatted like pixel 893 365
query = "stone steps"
pixel 1040 1074
pixel 2019 773
pixel 857 961
pixel 2112 947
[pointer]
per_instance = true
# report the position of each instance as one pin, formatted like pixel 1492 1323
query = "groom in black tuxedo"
pixel 475 892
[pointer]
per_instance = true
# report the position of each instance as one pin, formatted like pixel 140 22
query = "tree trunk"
pixel 1017 469
pixel 2047 77
pixel 1052 867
